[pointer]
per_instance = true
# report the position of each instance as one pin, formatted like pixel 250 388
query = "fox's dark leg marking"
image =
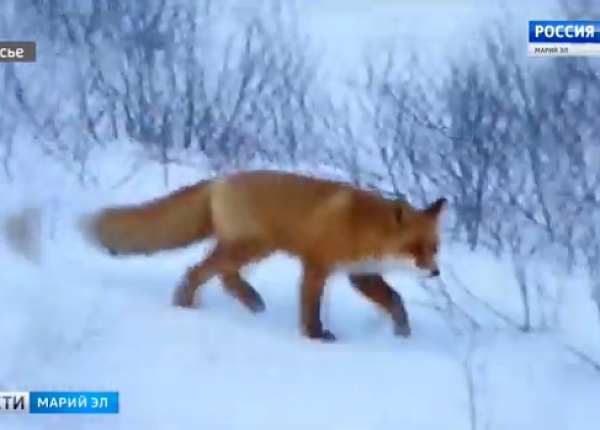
pixel 311 295
pixel 242 290
pixel 375 289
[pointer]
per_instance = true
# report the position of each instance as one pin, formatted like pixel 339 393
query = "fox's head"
pixel 418 235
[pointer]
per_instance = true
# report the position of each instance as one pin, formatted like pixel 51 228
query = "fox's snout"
pixel 428 266
pixel 429 269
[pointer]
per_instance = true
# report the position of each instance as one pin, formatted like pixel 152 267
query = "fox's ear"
pixel 436 208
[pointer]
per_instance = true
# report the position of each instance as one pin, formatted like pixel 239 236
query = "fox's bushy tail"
pixel 174 221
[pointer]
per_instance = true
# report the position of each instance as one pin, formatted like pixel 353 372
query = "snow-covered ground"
pixel 83 321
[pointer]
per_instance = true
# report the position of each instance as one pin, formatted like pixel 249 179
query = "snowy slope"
pixel 81 320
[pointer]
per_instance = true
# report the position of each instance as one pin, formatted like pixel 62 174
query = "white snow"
pixel 84 321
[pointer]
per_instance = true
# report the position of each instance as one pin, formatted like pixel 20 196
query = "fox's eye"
pixel 422 249
pixel 433 249
pixel 416 249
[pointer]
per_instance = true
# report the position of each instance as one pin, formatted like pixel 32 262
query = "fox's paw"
pixel 183 298
pixel 400 319
pixel 258 305
pixel 328 336
pixel 253 300
pixel 403 330
pixel 320 334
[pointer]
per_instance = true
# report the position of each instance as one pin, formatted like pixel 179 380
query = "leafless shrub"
pixel 512 141
pixel 175 77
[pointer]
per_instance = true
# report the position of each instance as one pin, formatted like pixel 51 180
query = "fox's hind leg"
pixel 375 289
pixel 195 277
pixel 226 259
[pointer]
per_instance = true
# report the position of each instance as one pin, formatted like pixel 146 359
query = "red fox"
pixel 328 225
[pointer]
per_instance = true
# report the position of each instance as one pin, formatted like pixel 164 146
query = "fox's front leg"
pixel 375 289
pixel 311 295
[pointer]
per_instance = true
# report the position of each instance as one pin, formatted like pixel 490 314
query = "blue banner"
pixel 564 31
pixel 73 402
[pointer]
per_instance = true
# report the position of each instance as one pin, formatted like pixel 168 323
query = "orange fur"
pixel 328 225
pixel 177 220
